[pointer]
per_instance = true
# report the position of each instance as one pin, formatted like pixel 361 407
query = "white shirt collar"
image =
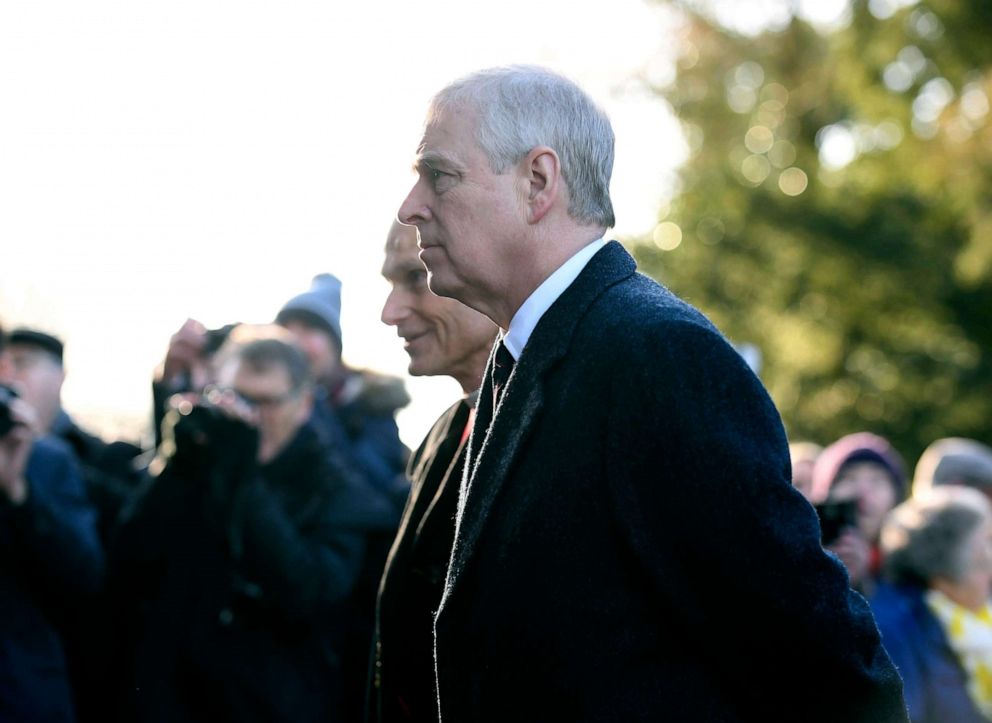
pixel 523 323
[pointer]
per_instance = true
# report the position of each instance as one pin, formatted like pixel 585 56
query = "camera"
pixel 199 434
pixel 7 395
pixel 835 515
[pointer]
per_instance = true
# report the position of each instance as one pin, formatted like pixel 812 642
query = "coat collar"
pixel 493 451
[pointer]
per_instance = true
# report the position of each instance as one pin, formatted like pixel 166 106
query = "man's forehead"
pixel 401 259
pixel 238 373
pixel 29 352
pixel 445 134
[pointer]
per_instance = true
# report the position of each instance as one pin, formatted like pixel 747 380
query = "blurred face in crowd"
pixel 973 589
pixel 870 484
pixel 442 336
pixel 320 347
pixel 468 216
pixel 38 376
pixel 281 410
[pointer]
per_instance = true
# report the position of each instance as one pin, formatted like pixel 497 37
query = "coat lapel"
pixel 494 444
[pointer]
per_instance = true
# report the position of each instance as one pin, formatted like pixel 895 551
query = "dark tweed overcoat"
pixel 629 546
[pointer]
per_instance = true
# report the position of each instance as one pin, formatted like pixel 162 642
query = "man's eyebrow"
pixel 434 159
pixel 397 270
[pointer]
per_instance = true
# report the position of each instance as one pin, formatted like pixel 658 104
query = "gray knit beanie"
pixel 321 305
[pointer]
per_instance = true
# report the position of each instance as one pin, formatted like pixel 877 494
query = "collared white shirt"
pixel 523 323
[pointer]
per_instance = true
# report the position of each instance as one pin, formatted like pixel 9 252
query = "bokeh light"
pixel 793 181
pixel 667 236
pixel 759 139
pixel 755 168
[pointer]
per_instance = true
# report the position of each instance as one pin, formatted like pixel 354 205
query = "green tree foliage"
pixel 836 211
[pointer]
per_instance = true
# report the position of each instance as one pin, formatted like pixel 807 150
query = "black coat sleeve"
pixel 769 603
pixel 300 567
pixel 53 533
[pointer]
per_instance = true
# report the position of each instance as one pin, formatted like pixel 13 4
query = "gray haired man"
pixel 628 544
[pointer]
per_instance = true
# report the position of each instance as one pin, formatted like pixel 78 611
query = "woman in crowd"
pixel 932 608
pixel 864 469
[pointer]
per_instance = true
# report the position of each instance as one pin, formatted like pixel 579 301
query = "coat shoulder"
pixel 639 313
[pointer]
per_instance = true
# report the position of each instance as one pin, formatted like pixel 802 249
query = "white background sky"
pixel 205 159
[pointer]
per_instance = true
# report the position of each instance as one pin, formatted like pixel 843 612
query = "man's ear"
pixel 306 406
pixel 543 173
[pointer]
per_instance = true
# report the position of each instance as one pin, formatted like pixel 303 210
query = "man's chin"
pixel 419 368
pixel 441 284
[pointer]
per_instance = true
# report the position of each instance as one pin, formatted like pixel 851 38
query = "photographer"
pixel 35 366
pixel 240 557
pixel 50 561
pixel 865 470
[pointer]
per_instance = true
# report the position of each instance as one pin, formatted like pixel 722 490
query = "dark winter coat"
pixel 403 687
pixel 241 584
pixel 629 546
pixel 50 561
pixel 936 686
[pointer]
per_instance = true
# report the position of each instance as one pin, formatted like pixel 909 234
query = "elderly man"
pixel 35 366
pixel 628 545
pixel 51 561
pixel 441 336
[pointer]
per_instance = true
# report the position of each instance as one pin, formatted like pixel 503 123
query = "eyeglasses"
pixel 215 393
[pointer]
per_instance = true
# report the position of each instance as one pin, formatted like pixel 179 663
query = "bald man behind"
pixel 442 337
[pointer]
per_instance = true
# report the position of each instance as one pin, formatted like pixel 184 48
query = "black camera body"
pixel 7 395
pixel 835 516
pixel 199 435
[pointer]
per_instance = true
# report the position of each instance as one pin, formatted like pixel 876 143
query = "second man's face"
pixel 442 336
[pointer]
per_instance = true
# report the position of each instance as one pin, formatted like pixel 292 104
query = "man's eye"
pixel 440 180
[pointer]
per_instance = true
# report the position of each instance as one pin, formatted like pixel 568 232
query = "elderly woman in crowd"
pixel 933 606
pixel 866 470
pixel 954 461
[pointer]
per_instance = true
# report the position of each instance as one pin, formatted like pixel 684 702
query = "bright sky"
pixel 205 159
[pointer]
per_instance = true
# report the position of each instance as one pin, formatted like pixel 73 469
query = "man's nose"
pixel 395 309
pixel 414 209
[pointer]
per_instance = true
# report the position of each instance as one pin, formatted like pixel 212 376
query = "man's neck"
pixel 530 313
pixel 552 250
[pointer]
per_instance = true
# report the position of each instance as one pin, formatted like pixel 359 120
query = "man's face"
pixel 37 376
pixel 281 409
pixel 442 336
pixel 320 347
pixel 469 218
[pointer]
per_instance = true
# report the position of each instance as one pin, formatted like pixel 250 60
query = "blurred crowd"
pixel 920 550
pixel 231 572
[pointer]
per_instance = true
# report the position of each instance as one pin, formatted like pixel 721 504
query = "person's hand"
pixel 185 351
pixel 15 447
pixel 854 551
pixel 215 433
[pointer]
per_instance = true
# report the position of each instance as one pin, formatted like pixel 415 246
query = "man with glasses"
pixel 243 552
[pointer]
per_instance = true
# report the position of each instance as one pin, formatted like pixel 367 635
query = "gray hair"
pixel 953 460
pixel 265 346
pixel 924 538
pixel 521 107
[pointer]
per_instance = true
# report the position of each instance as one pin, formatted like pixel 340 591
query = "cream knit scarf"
pixel 970 637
